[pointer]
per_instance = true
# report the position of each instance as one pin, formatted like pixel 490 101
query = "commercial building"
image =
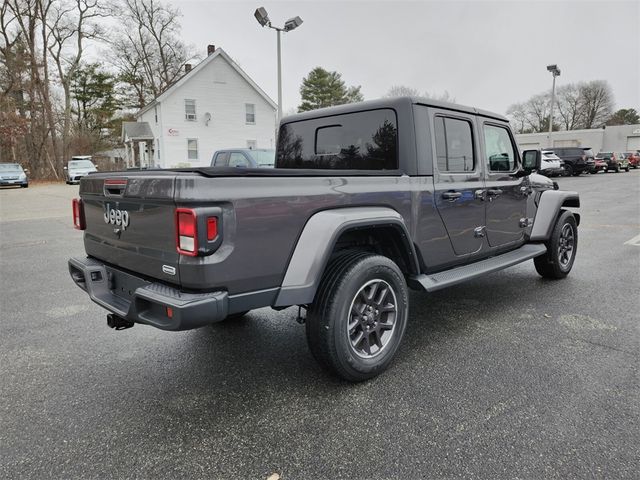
pixel 621 138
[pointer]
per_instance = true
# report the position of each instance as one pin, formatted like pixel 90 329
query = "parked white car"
pixel 77 168
pixel 552 165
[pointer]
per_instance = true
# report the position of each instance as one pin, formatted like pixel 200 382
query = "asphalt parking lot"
pixel 509 376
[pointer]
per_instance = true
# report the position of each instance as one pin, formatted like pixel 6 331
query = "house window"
pixel 155 111
pixel 250 113
pixel 192 148
pixel 190 110
pixel 158 147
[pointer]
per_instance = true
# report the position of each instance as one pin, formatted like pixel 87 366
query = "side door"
pixel 458 180
pixel 506 192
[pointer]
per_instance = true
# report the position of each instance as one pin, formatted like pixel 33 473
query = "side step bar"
pixel 437 281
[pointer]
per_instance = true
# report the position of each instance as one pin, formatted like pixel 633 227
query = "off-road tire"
pixel 327 330
pixel 554 263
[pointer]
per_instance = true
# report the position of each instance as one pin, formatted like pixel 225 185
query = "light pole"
pixel 555 71
pixel 263 19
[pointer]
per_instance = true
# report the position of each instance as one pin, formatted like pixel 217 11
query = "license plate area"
pixel 122 284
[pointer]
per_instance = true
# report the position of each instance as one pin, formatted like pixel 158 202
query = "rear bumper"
pixel 142 301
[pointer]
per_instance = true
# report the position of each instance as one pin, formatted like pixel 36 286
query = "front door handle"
pixel 494 192
pixel 451 196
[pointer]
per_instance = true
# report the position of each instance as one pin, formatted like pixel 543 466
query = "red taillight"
pixel 212 228
pixel 186 232
pixel 78 214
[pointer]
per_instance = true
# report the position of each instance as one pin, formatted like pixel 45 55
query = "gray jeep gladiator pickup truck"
pixel 365 201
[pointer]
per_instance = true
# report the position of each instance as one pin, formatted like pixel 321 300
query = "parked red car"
pixel 599 165
pixel 634 159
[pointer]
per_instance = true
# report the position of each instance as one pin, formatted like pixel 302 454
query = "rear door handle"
pixel 451 196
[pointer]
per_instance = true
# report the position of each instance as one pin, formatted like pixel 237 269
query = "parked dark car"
pixel 633 158
pixel 13 174
pixel 577 160
pixel 244 157
pixel 616 161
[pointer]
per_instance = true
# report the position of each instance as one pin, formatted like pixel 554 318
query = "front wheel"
pixel 357 320
pixel 626 169
pixel 561 248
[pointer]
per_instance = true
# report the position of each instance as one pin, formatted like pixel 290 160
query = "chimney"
pixel 187 67
pixel 210 49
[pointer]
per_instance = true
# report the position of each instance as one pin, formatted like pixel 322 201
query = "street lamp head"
pixel 262 17
pixel 554 70
pixel 292 23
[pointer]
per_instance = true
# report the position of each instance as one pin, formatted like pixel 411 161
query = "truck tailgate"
pixel 130 222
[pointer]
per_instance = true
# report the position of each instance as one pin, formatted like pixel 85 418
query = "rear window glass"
pixel 353 141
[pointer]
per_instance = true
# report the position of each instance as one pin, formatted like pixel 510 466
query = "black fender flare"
pixel 317 241
pixel 549 206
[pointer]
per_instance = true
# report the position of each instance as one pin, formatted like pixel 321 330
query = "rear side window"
pixel 454 145
pixel 353 141
pixel 237 159
pixel 499 149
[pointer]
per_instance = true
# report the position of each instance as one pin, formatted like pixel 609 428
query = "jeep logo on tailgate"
pixel 116 217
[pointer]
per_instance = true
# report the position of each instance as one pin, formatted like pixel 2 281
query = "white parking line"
pixel 635 241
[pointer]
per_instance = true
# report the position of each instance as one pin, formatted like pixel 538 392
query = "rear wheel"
pixel 626 168
pixel 568 170
pixel 617 169
pixel 357 320
pixel 561 248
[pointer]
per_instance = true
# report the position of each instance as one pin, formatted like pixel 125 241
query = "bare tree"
pixel 538 112
pixel 402 91
pixel 68 26
pixel 148 51
pixel 519 116
pixel 597 103
pixel 570 103
pixel 443 97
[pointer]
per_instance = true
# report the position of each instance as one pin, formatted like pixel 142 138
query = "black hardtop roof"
pixel 389 103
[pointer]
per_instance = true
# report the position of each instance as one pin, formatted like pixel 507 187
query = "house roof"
pixel 136 131
pixel 218 53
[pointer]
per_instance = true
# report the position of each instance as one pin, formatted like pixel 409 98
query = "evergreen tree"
pixel 322 88
pixel 624 116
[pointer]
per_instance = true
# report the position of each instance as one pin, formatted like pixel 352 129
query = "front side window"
pixel 499 149
pixel 190 110
pixel 250 113
pixel 454 145
pixel 352 141
pixel 192 149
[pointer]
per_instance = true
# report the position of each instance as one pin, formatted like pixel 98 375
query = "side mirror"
pixel 96 168
pixel 531 160
pixel 26 171
pixel 64 168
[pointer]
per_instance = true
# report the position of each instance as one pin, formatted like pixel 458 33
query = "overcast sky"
pixel 485 54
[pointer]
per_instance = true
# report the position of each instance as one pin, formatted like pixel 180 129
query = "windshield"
pixel 10 167
pixel 81 164
pixel 264 158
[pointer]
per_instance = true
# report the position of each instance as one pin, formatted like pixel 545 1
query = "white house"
pixel 214 105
